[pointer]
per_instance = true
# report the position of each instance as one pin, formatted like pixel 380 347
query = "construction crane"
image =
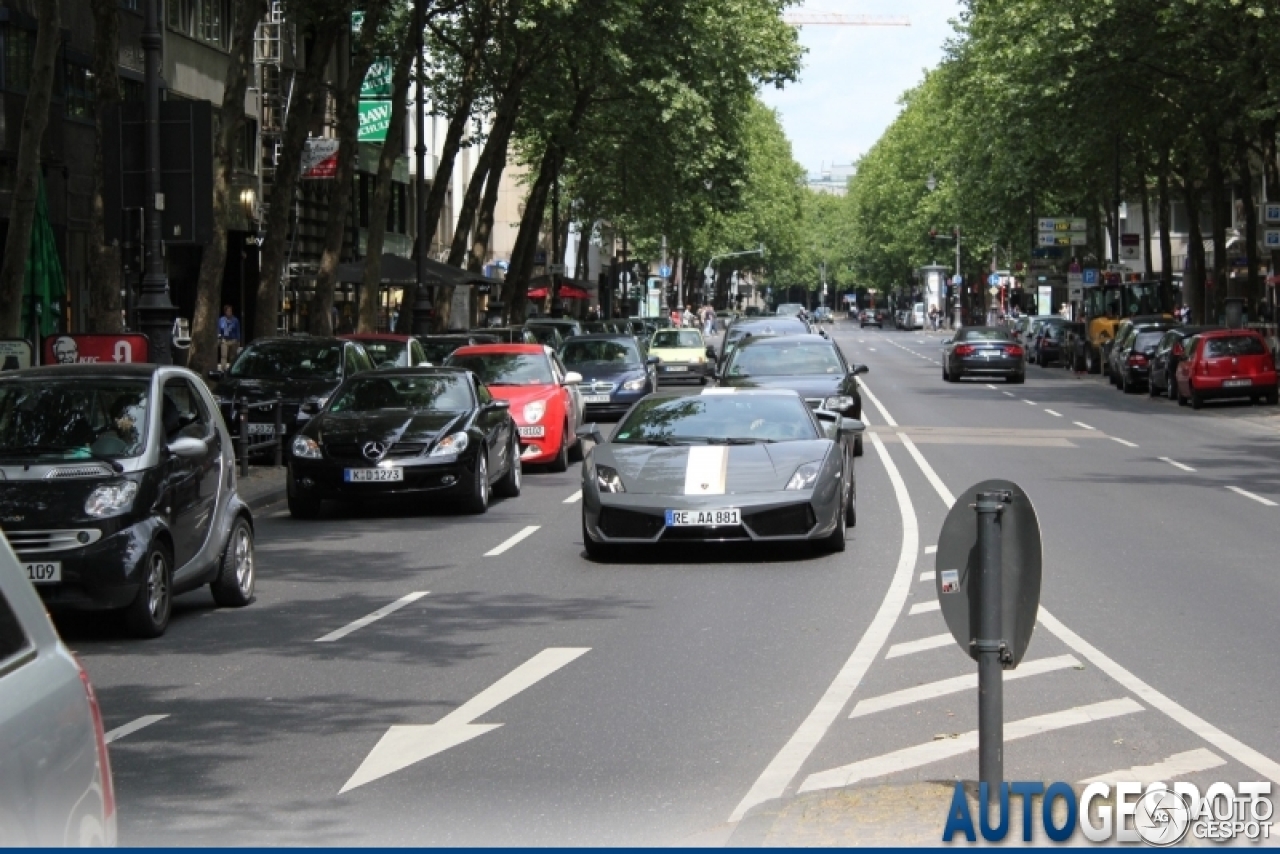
pixel 836 19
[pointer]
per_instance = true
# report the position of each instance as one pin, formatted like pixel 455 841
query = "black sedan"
pixel 411 433
pixel 811 365
pixel 1131 352
pixel 1169 352
pixel 116 490
pixel 983 351
pixel 761 327
pixel 872 317
pixel 722 466
pixel 615 372
pixel 302 372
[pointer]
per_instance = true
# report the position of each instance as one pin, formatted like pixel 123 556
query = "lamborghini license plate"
pixel 703 518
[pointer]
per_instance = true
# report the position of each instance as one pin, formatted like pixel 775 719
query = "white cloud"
pixel 853 76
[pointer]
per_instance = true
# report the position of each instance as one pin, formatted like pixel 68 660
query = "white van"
pixel 918 317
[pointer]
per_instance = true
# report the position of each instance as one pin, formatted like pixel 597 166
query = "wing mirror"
pixel 572 378
pixel 652 360
pixel 852 427
pixel 858 370
pixel 495 405
pixel 589 431
pixel 711 352
pixel 187 448
pixel 309 408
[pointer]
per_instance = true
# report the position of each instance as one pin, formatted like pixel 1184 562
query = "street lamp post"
pixel 422 303
pixel 155 310
pixel 959 279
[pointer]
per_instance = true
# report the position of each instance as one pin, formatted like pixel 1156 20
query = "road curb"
pixel 266 499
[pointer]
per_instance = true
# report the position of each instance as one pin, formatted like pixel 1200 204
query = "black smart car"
pixel 415 433
pixel 301 370
pixel 118 490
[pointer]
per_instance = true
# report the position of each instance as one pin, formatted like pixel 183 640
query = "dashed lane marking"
pixel 1124 442
pixel 1030 403
pixel 1247 494
pixel 934 751
pixel 577 496
pixel 993 388
pixel 943 687
pixel 512 541
pixel 923 645
pixel 1054 414
pixel 1176 464
pixel 924 607
pixel 1177 765
pixel 1007 393
pixel 930 550
pixel 929 575
pixel 1082 425
pixel 371 618
pixel 131 727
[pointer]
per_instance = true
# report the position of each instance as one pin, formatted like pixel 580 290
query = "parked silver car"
pixel 55 777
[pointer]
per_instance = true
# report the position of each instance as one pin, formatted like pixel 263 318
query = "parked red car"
pixel 542 393
pixel 1227 363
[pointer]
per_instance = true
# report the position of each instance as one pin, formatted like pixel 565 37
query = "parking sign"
pixel 1271 238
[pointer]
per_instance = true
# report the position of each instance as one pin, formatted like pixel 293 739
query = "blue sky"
pixel 853 76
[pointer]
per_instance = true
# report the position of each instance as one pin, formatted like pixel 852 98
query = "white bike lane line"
pixel 777 776
pixel 1265 766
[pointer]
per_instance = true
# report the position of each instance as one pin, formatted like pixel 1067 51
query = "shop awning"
pixel 397 270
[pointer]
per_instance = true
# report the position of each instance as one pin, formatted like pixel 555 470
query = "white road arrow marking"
pixel 403 746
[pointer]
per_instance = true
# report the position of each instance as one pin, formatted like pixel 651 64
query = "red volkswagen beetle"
pixel 1227 363
pixel 541 392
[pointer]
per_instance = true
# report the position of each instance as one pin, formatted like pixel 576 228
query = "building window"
pixel 203 20
pixel 243 157
pixel 78 92
pixel 132 91
pixel 18 47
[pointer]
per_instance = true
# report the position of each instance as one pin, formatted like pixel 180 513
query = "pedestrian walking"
pixel 228 338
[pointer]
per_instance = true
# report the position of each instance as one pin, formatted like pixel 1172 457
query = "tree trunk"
pixel 104 264
pixel 26 183
pixel 1145 197
pixel 340 190
pixel 484 222
pixel 204 320
pixel 1166 222
pixel 1193 284
pixel 1244 169
pixel 499 135
pixel 307 88
pixel 372 287
pixel 1220 219
pixel 1271 177
pixel 581 265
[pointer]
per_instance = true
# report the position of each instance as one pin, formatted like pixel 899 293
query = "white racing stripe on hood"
pixel 719 390
pixel 706 470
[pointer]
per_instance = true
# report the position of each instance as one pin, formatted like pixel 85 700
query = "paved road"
pixel 665 699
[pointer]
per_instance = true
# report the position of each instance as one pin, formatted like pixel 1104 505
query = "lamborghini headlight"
pixel 805 477
pixel 607 479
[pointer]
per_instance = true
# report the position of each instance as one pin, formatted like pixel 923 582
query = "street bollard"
pixel 989 644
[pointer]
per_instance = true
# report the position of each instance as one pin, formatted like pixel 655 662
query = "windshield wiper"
pixel 39 450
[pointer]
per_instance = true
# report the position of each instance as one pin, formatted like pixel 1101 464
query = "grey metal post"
pixel 990 641
pixel 279 431
pixel 242 413
pixel 155 311
pixel 422 302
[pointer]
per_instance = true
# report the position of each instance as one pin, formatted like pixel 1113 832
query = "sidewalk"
pixel 264 486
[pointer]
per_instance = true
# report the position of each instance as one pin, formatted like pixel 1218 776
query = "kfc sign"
pixel 94 349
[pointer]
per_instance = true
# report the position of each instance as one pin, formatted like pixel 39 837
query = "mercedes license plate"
pixel 1236 383
pixel 595 398
pixel 533 431
pixel 263 429
pixel 676 368
pixel 703 518
pixel 43 572
pixel 379 475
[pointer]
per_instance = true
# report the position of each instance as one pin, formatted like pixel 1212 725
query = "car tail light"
pixel 104 760
pixel 1137 359
pixel 1203 369
pixel 965 350
pixel 1013 351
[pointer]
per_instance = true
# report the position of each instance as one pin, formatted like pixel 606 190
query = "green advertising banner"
pixel 375 119
pixel 377 82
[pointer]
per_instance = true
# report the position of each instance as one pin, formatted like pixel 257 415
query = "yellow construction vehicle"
pixel 1107 304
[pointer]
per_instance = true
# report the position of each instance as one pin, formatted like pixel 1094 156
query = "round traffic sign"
pixel 959 567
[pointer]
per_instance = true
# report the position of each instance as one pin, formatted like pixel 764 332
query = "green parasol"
pixel 43 284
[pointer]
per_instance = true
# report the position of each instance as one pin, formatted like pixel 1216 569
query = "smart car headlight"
pixel 838 403
pixel 634 385
pixel 453 444
pixel 607 479
pixel 533 412
pixel 306 448
pixel 111 499
pixel 805 477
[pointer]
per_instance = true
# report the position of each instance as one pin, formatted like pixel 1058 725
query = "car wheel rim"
pixel 517 468
pixel 483 475
pixel 157 588
pixel 244 560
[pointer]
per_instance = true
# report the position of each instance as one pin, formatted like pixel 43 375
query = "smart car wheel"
pixel 509 486
pixel 233 588
pixel 478 500
pixel 148 615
